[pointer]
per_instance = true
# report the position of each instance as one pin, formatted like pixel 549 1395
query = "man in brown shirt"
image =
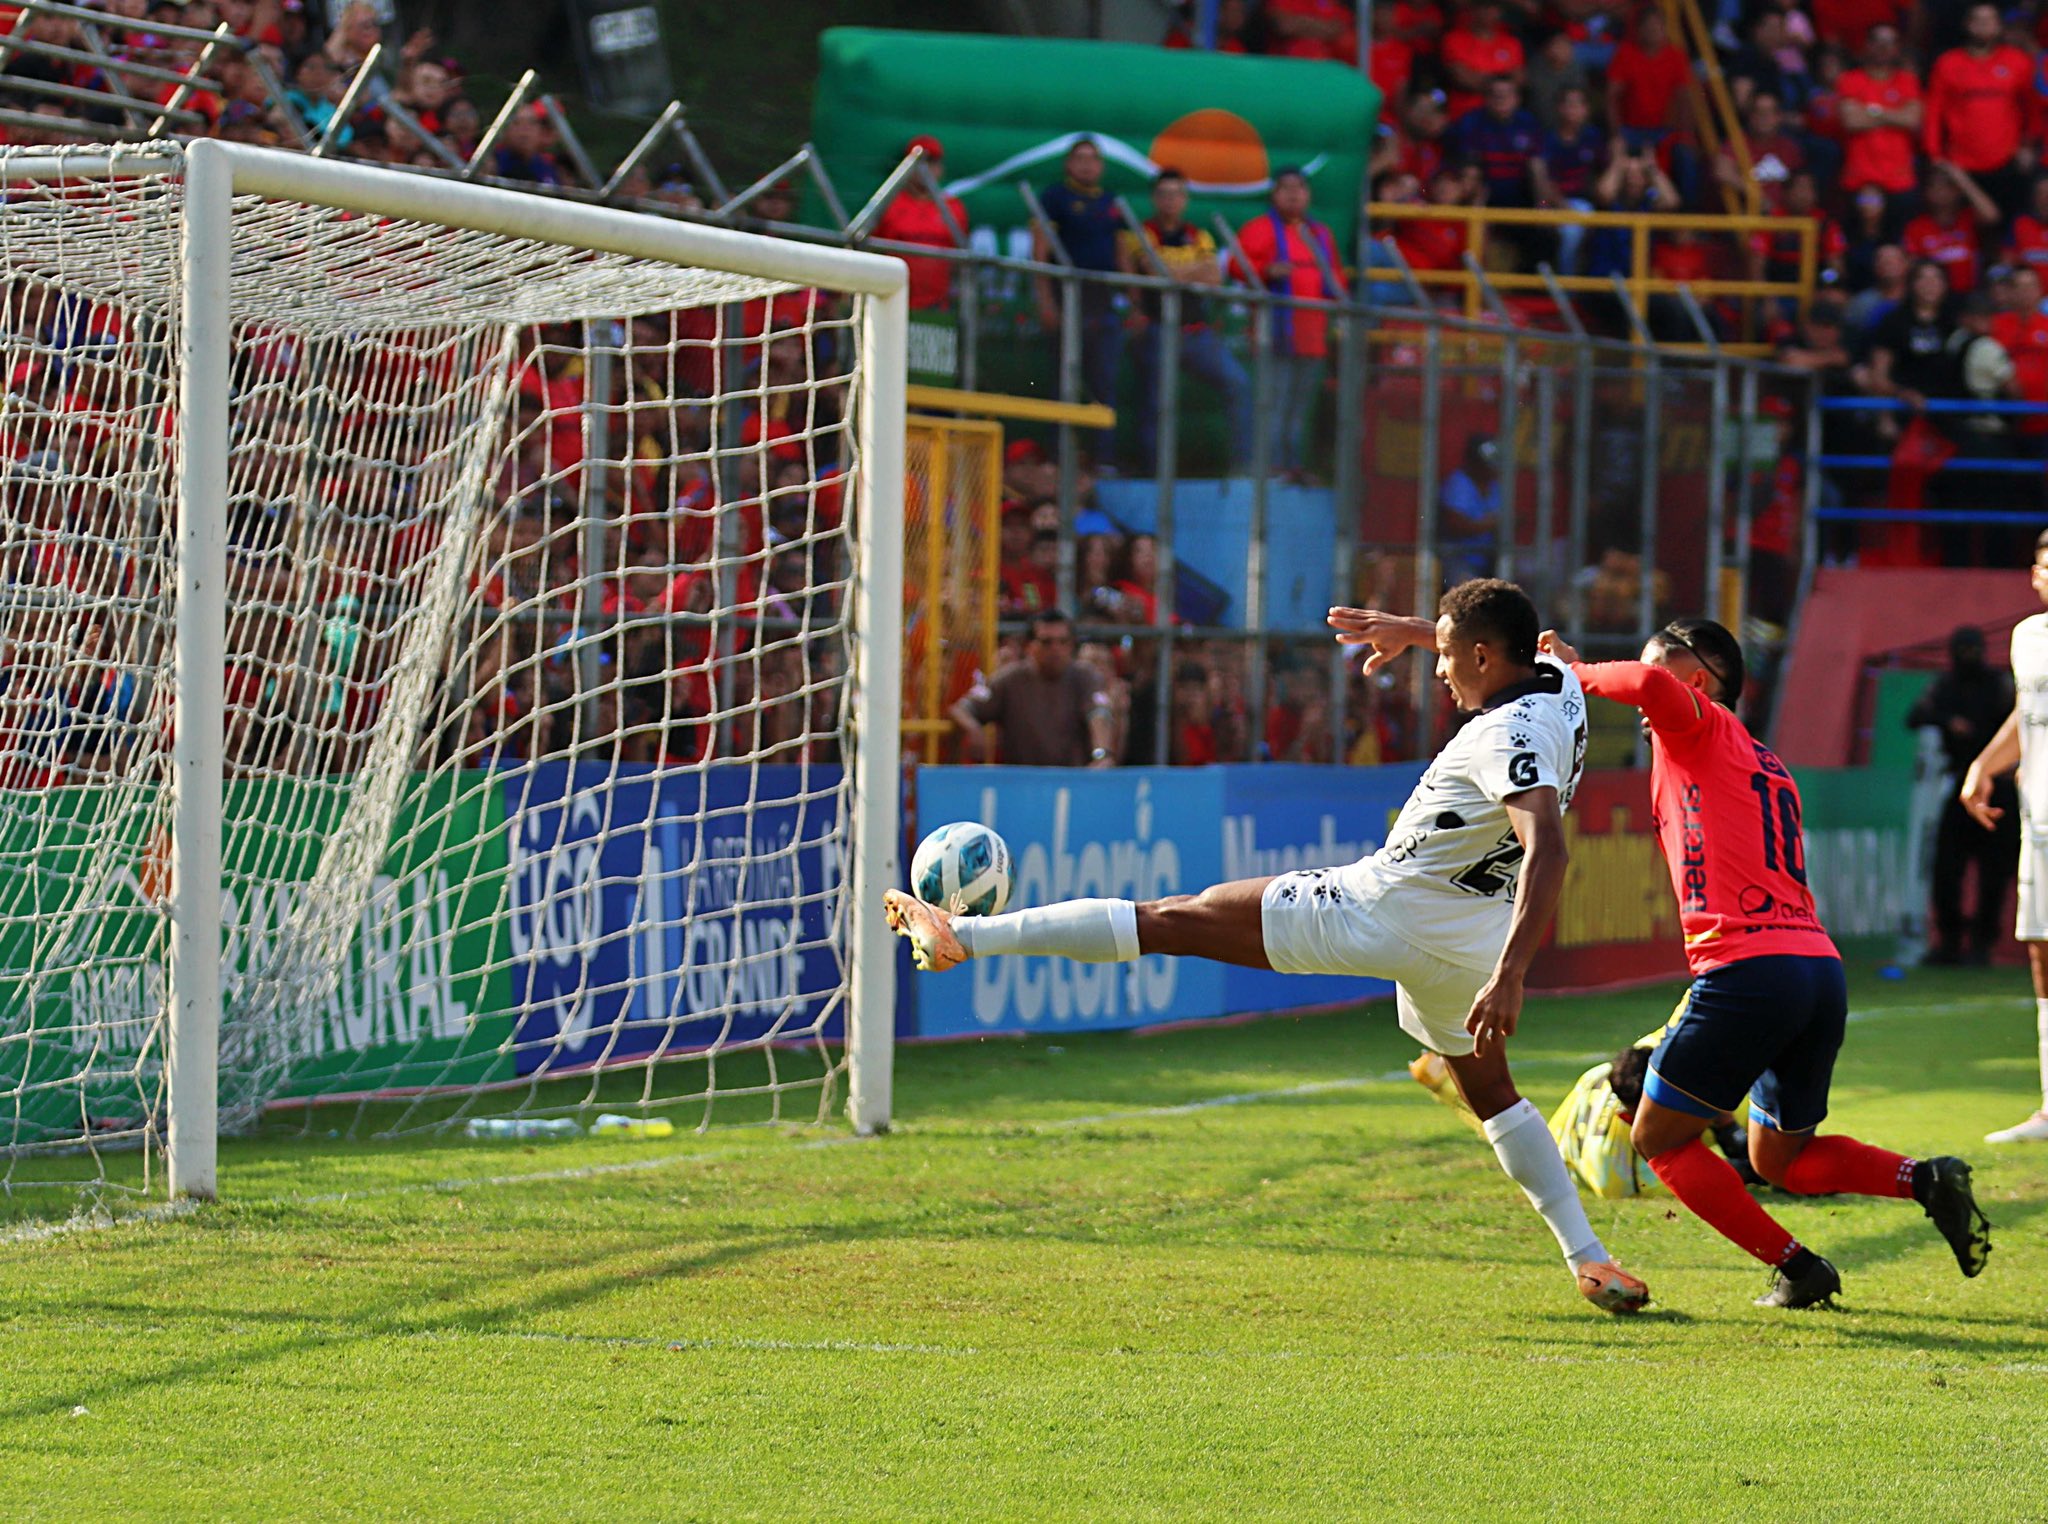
pixel 1051 710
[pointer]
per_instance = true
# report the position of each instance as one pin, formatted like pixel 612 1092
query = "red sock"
pixel 1840 1164
pixel 1713 1192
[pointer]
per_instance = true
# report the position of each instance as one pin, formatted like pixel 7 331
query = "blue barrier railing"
pixel 2033 465
pixel 1926 516
pixel 1929 405
pixel 1997 465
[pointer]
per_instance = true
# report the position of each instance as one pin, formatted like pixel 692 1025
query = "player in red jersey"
pixel 1768 1002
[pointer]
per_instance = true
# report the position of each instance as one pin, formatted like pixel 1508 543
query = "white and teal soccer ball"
pixel 963 867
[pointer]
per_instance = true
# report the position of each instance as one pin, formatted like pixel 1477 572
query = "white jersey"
pixel 1445 880
pixel 2030 695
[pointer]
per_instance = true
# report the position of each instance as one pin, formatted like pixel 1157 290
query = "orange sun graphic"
pixel 1212 147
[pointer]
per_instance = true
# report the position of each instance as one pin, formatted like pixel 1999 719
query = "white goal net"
pixel 541 672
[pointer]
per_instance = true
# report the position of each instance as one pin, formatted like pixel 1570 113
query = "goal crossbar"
pixel 215 173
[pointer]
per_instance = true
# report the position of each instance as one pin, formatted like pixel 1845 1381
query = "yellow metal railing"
pixel 1641 228
pixel 1713 108
pixel 952 537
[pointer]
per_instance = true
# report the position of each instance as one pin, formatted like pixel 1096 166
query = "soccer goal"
pixel 449 659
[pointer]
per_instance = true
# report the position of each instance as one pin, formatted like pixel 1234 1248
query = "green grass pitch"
pixel 1238 1273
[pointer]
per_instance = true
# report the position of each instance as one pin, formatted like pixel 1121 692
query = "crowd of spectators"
pixel 1909 134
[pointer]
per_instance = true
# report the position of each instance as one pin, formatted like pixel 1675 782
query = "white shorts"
pixel 2032 920
pixel 1315 924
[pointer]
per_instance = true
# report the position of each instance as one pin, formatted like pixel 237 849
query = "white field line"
pixel 38 1232
pixel 714 1346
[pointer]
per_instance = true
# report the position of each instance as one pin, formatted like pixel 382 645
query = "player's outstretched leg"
pixel 1223 923
pixel 1810 1165
pixel 1522 1142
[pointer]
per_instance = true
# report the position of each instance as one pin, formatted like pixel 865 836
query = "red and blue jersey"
pixel 1502 148
pixel 1727 817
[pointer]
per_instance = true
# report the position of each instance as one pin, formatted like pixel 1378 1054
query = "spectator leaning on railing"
pixel 913 216
pixel 1045 711
pixel 1289 250
pixel 1190 257
pixel 1084 215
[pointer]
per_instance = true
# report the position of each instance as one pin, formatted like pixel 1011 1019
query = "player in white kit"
pixel 2022 741
pixel 1451 909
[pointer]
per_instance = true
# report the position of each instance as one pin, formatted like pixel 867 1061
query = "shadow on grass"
pixel 409 1313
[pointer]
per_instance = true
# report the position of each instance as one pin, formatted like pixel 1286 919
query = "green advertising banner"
pixel 1007 109
pixel 1858 858
pixel 422 998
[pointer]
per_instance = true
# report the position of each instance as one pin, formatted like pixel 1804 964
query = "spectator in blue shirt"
pixel 1503 139
pixel 1470 512
pixel 1574 153
pixel 1085 217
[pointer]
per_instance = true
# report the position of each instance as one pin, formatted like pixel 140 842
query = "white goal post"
pixel 606 266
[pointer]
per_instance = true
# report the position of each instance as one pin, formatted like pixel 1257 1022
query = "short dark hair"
pixel 1714 646
pixel 1166 174
pixel 1289 172
pixel 1489 609
pixel 1045 617
pixel 1079 143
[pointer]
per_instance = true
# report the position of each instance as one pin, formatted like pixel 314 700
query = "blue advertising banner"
pixel 647 911
pixel 1280 817
pixel 1140 833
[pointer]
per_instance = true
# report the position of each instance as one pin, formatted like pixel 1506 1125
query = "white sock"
pixel 1088 931
pixel 2041 1026
pixel 1529 1154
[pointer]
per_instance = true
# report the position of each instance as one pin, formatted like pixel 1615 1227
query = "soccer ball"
pixel 963 867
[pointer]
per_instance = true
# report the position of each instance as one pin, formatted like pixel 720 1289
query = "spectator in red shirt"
pixel 1775 156
pixel 1027 584
pixel 1474 52
pixel 914 217
pixel 1948 231
pixel 1882 114
pixel 1427 243
pixel 2029 244
pixel 1283 247
pixel 1390 66
pixel 1419 23
pixel 1646 83
pixel 1847 23
pixel 1316 29
pixel 1776 256
pixel 1194 717
pixel 2023 331
pixel 1982 113
pixel 1421 138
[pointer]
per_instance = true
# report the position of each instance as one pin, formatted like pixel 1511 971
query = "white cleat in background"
pixel 2033 1130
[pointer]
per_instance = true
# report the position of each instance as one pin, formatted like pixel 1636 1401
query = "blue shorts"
pixel 1768 1026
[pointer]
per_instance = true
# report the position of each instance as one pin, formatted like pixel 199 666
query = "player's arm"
pixel 1387 634
pixel 2001 754
pixel 1673 708
pixel 1538 822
